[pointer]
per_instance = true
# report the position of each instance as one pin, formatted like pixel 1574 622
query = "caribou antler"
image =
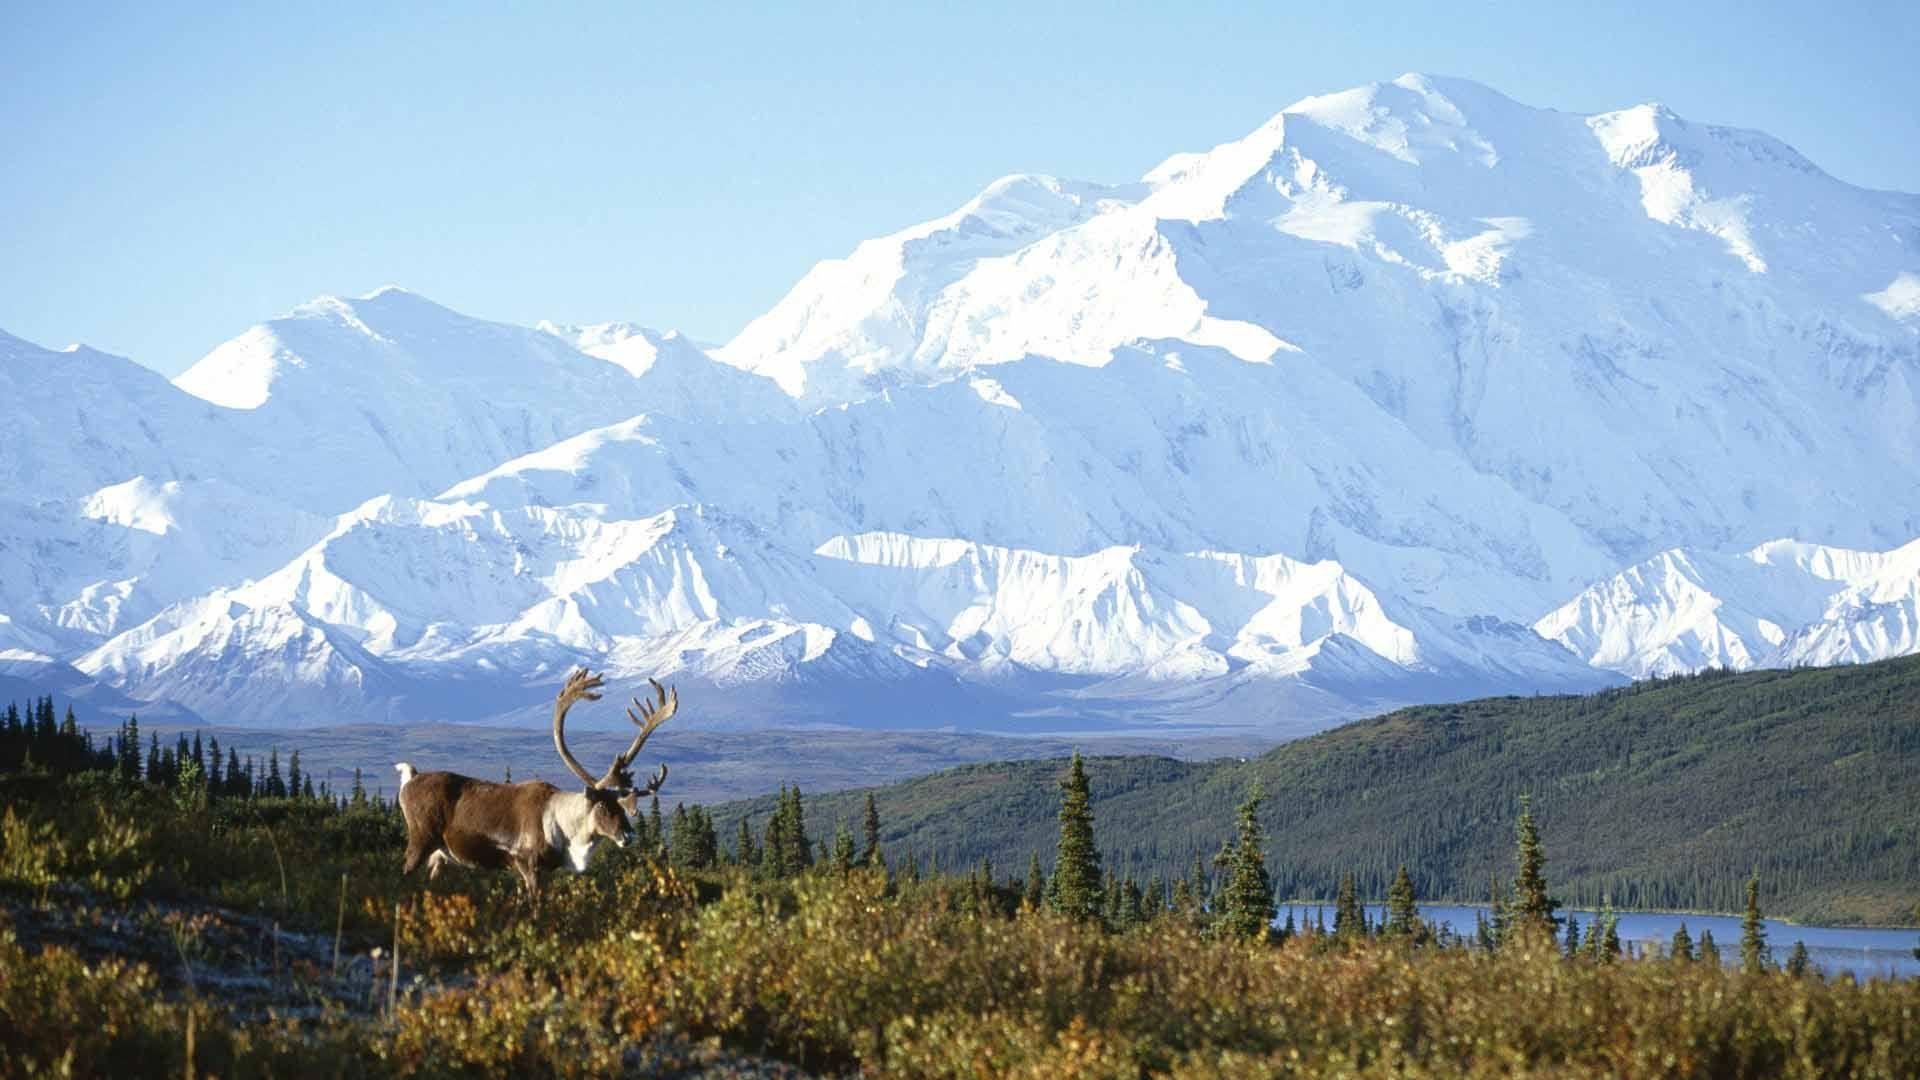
pixel 580 684
pixel 650 717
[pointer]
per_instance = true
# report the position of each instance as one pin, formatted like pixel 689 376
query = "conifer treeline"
pixel 1664 796
pixel 31 739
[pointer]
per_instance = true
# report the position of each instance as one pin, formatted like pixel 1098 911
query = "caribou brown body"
pixel 530 826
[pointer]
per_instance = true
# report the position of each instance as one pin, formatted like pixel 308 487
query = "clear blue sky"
pixel 168 179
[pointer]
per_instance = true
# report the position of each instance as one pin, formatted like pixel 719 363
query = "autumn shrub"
pixel 838 971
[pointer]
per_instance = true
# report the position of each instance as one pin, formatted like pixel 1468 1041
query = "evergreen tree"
pixel 1609 935
pixel 679 840
pixel 307 792
pixel 1186 906
pixel 294 776
pixel 1133 906
pixel 1074 890
pixel 1754 954
pixel 1110 891
pixel 1533 909
pixel 1402 914
pixel 870 850
pixel 1247 903
pixel 359 796
pixel 276 786
pixel 797 850
pixel 1154 900
pixel 656 828
pixel 130 751
pixel 743 849
pixel 200 756
pixel 1798 962
pixel 1682 947
pixel 1499 916
pixel 1201 882
pixel 1348 919
pixel 1709 952
pixel 153 758
pixel 1036 890
pixel 843 850
pixel 1573 937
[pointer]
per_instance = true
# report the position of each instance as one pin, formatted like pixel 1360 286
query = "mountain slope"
pixel 1664 794
pixel 394 386
pixel 1331 417
pixel 1782 604
pixel 128 494
pixel 1625 317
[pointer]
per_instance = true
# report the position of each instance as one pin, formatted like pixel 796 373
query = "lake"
pixel 1866 953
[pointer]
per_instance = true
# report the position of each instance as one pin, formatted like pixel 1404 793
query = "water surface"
pixel 1865 953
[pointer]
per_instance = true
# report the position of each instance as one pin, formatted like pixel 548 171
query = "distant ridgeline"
pixel 1665 794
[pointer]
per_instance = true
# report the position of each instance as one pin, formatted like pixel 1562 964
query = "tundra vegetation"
pixel 161 922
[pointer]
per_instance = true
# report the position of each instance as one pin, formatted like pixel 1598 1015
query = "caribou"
pixel 531 826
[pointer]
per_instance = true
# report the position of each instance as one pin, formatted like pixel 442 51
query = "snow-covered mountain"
pixel 1783 604
pixel 1333 416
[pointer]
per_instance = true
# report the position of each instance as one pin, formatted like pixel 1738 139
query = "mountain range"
pixel 1414 393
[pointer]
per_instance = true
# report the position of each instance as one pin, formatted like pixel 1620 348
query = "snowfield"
pixel 1415 392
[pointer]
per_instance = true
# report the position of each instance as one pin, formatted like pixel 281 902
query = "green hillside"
pixel 1664 794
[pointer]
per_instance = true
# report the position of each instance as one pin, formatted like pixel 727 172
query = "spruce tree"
pixel 1609 936
pixel 359 797
pixel 294 776
pixel 1402 914
pixel 1798 962
pixel 1499 917
pixel 870 850
pixel 743 850
pixel 1036 890
pixel 1201 882
pixel 1682 947
pixel 1246 904
pixel 1573 937
pixel 1133 907
pixel 1754 954
pixel 1348 919
pixel 276 787
pixel 680 838
pixel 1533 909
pixel 1110 891
pixel 1709 951
pixel 1074 890
pixel 130 751
pixel 1186 906
pixel 843 851
pixel 797 851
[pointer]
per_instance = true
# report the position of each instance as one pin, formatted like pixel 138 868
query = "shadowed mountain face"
pixel 1413 393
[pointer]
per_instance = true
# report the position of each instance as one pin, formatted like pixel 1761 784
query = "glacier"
pixel 1413 393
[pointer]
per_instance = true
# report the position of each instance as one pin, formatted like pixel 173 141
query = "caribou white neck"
pixel 567 824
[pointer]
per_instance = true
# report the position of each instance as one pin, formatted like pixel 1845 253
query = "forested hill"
pixel 1664 794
